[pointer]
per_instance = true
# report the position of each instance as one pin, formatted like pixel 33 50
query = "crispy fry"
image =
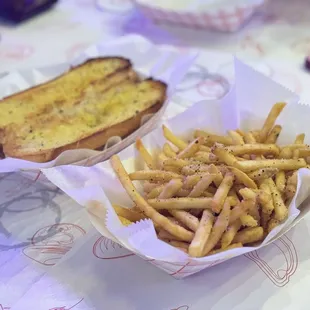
pixel 296 154
pixel 262 174
pixel 218 176
pixel 222 192
pixel 283 164
pixel 300 139
pixel 248 220
pixel 256 134
pixel 181 203
pixel 155 192
pixel 176 162
pixel 149 186
pixel 265 199
pixel 159 219
pixel 235 137
pixel 211 139
pixel 249 235
pixel 128 214
pixel 270 120
pixel 124 221
pixel 305 152
pixel 206 157
pixel 218 228
pixel 280 181
pixel 247 193
pixel 264 220
pixel 202 185
pixel 168 151
pixel 169 135
pixel 164 235
pixel 280 210
pixel 240 210
pixel 274 134
pixel 204 148
pixel 179 244
pixel 191 180
pixel 161 159
pixel 191 149
pixel 257 149
pixel 232 246
pixel 230 233
pixel 249 138
pixel 186 218
pixel 243 178
pixel 194 169
pixel 170 189
pixel 291 186
pixel 145 154
pixel 183 217
pixel 202 234
pixel 286 153
pixel 154 175
pixel 273 223
pixel 172 169
pixel 224 155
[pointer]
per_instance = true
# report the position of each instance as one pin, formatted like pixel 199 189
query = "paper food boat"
pixel 245 107
pixel 221 15
pixel 147 59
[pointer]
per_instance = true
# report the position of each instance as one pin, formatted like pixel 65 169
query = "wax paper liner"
pixel 245 106
pixel 148 60
pixel 221 15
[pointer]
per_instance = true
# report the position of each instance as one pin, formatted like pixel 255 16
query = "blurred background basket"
pixel 220 15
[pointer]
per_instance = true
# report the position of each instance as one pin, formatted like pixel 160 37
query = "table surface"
pixel 64 263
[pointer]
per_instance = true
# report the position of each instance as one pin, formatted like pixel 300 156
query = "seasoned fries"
pixel 270 120
pixel 216 193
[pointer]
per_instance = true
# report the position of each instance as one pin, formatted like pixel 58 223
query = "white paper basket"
pixel 245 107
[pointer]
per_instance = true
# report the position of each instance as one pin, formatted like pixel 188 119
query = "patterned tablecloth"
pixel 51 257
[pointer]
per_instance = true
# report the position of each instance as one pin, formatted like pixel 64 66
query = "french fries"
pixel 215 192
pixel 270 120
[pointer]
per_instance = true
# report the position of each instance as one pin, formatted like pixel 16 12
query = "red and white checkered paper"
pixel 225 19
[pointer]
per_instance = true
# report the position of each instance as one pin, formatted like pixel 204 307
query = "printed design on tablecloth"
pixel 4 308
pixel 29 199
pixel 16 51
pixel 281 275
pixel 105 248
pixel 65 308
pixel 48 251
pixel 210 85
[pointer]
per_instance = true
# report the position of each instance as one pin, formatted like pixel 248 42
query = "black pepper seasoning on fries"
pixel 216 193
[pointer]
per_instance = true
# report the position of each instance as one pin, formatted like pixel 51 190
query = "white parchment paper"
pixel 147 59
pixel 245 107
